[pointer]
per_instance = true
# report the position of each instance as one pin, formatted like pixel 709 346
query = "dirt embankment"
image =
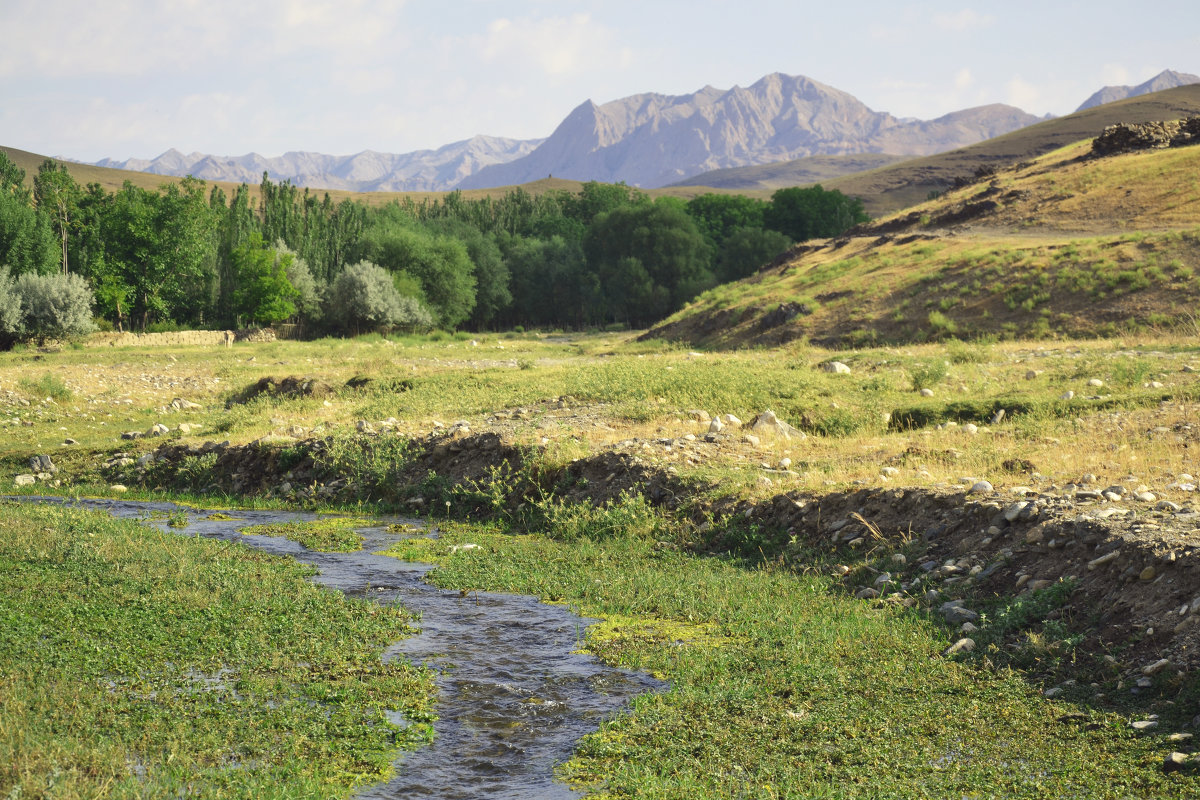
pixel 1127 573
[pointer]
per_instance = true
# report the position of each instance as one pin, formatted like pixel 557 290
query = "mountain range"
pixel 1167 79
pixel 647 140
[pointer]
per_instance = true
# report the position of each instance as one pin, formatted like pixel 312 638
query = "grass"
pixel 783 687
pixel 334 535
pixel 135 663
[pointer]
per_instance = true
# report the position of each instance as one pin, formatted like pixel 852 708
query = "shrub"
pixel 55 306
pixel 10 306
pixel 364 297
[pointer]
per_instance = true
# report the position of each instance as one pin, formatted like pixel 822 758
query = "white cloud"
pixel 963 79
pixel 964 20
pixel 1115 75
pixel 1023 95
pixel 558 47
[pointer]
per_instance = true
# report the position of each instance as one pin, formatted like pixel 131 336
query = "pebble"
pixel 980 487
pixel 1174 762
pixel 1095 383
pixel 836 368
pixel 1144 724
pixel 927 393
pixel 1067 395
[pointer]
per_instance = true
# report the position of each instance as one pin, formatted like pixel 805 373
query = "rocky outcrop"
pixel 1127 137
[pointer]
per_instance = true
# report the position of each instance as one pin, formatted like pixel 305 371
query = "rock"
pixel 1067 395
pixel 1040 584
pixel 730 421
pixel 964 645
pixel 968 628
pixel 980 487
pixel 42 464
pixel 927 393
pixel 784 463
pixel 131 435
pixel 464 547
pixel 24 480
pixel 1103 560
pixel 1166 505
pixel 1013 511
pixel 752 440
pixel 699 415
pixel 179 404
pixel 1144 724
pixel 867 594
pixel 1156 667
pixel 836 368
pixel 955 614
pixel 767 422
pixel 997 418
pixel 889 472
pixel 69 441
pixel 716 426
pixel 1174 762
pixel 1147 574
pixel 362 426
pixel 970 428
pixel 158 429
pixel 118 488
pixel 1146 497
pixel 1031 374
pixel 1095 383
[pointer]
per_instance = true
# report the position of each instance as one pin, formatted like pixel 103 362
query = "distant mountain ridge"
pixel 653 140
pixel 648 140
pixel 368 171
pixel 1167 79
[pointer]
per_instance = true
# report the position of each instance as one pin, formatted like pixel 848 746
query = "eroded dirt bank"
pixel 1113 580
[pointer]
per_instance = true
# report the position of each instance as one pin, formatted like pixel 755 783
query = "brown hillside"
pixel 1065 244
pixel 908 183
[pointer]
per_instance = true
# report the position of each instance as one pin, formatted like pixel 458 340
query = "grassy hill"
pixel 766 178
pixel 891 188
pixel 1063 244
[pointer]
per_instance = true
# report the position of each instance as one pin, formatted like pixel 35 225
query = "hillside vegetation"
pixel 1063 245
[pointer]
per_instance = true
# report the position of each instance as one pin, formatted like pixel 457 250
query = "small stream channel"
pixel 513 696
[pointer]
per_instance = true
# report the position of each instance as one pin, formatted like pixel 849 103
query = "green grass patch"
pixel 332 535
pixel 781 686
pixel 136 663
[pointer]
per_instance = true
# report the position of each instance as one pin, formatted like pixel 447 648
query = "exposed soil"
pixel 1135 566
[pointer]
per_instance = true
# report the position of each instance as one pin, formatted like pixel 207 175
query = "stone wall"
pixel 179 338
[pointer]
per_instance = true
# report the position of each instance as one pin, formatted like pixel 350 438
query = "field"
pixel 775 578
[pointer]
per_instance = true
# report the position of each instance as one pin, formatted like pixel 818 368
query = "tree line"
pixel 186 255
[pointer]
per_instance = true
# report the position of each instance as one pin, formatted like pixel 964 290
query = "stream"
pixel 513 697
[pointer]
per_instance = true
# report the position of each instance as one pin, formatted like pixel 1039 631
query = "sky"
pixel 133 78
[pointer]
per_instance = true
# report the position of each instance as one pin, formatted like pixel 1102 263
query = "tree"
pixel 263 292
pixel 57 195
pixel 650 259
pixel 492 278
pixel 163 247
pixel 27 242
pixel 812 212
pixel 747 249
pixel 441 263
pixel 719 216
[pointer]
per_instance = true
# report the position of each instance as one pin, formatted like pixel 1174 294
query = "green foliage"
pixel 720 216
pixel 46 386
pixel 928 375
pixel 745 250
pixel 10 307
pixel 263 293
pixel 812 212
pixel 649 260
